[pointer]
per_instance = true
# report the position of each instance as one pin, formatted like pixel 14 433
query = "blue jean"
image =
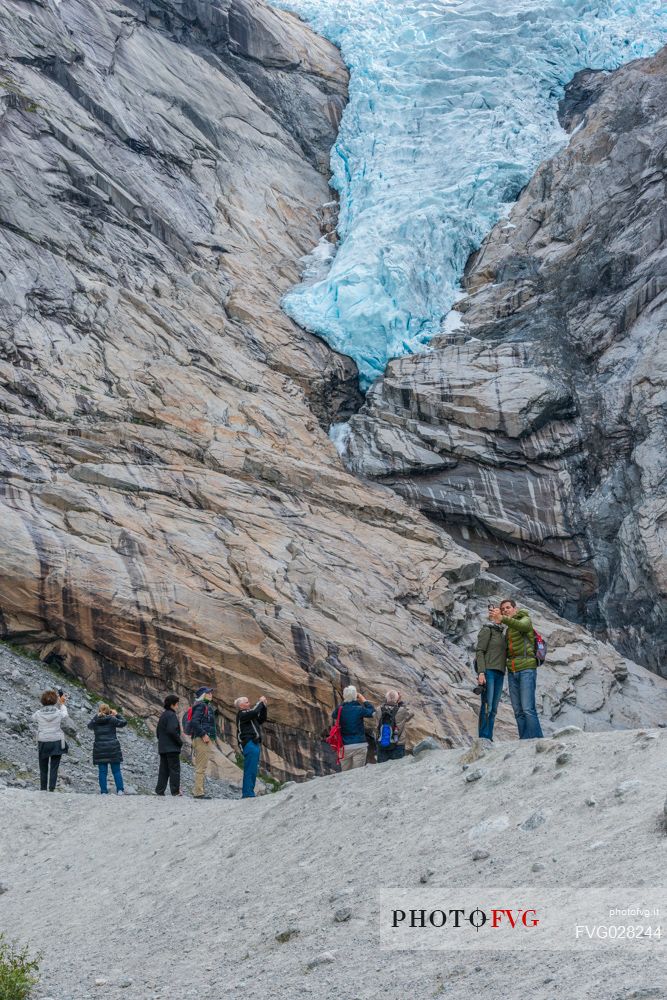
pixel 522 695
pixel 250 767
pixel 103 772
pixel 490 698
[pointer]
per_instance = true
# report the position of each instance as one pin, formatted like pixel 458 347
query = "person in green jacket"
pixel 521 666
pixel 490 656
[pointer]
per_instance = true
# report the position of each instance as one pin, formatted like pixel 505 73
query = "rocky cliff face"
pixel 172 511
pixel 537 432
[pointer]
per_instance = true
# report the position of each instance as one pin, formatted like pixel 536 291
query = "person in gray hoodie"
pixel 51 744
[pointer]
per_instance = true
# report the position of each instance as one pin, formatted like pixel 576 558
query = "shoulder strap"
pixel 391 711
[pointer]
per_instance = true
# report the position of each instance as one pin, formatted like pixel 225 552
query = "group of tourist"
pixel 507 644
pixel 198 723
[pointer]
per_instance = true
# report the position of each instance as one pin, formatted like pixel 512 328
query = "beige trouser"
pixel 355 756
pixel 200 755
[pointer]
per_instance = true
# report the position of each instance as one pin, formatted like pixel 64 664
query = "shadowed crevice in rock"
pixel 255 41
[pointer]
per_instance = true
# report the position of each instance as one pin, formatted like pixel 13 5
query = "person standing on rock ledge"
pixel 353 711
pixel 249 734
pixel 203 734
pixel 490 658
pixel 521 666
pixel 51 743
pixel 169 744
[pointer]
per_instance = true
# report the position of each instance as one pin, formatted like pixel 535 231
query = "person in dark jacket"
pixel 204 734
pixel 490 655
pixel 392 713
pixel 353 711
pixel 169 743
pixel 249 734
pixel 521 666
pixel 106 748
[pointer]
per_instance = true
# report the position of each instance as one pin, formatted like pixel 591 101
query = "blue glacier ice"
pixel 452 106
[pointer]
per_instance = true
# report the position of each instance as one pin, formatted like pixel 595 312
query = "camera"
pixel 479 689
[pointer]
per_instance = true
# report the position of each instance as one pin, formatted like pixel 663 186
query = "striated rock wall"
pixel 171 511
pixel 537 432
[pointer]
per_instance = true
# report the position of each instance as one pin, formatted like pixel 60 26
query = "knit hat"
pixel 200 692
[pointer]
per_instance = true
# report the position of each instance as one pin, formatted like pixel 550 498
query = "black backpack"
pixel 387 733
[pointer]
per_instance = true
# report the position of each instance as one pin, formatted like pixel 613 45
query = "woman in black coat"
pixel 169 743
pixel 106 748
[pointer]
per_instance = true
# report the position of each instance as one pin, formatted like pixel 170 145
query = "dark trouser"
pixel 489 706
pixel 48 772
pixel 103 774
pixel 393 752
pixel 522 695
pixel 170 771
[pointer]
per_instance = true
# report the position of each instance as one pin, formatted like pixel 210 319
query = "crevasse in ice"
pixel 452 106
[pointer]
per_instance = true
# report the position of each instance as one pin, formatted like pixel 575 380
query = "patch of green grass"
pixel 18 971
pixel 140 727
pixel 273 783
pixel 20 650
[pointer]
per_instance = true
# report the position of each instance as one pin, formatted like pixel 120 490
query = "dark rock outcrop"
pixel 538 433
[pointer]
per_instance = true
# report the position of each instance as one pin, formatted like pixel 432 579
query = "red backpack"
pixel 186 720
pixel 335 738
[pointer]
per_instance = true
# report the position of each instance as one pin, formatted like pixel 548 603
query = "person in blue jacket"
pixel 353 711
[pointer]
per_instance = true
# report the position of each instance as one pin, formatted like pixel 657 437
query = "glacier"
pixel 452 105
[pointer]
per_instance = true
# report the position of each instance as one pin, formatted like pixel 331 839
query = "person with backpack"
pixel 350 718
pixel 106 748
pixel 200 725
pixel 51 744
pixel 392 719
pixel 169 744
pixel 522 663
pixel 249 735
pixel 490 663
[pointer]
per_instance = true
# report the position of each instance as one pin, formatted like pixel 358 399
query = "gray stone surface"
pixel 537 433
pixel 293 859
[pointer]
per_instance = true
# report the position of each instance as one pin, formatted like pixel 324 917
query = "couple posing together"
pixel 509 644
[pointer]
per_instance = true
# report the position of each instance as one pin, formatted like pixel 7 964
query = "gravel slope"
pixel 22 681
pixel 181 899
